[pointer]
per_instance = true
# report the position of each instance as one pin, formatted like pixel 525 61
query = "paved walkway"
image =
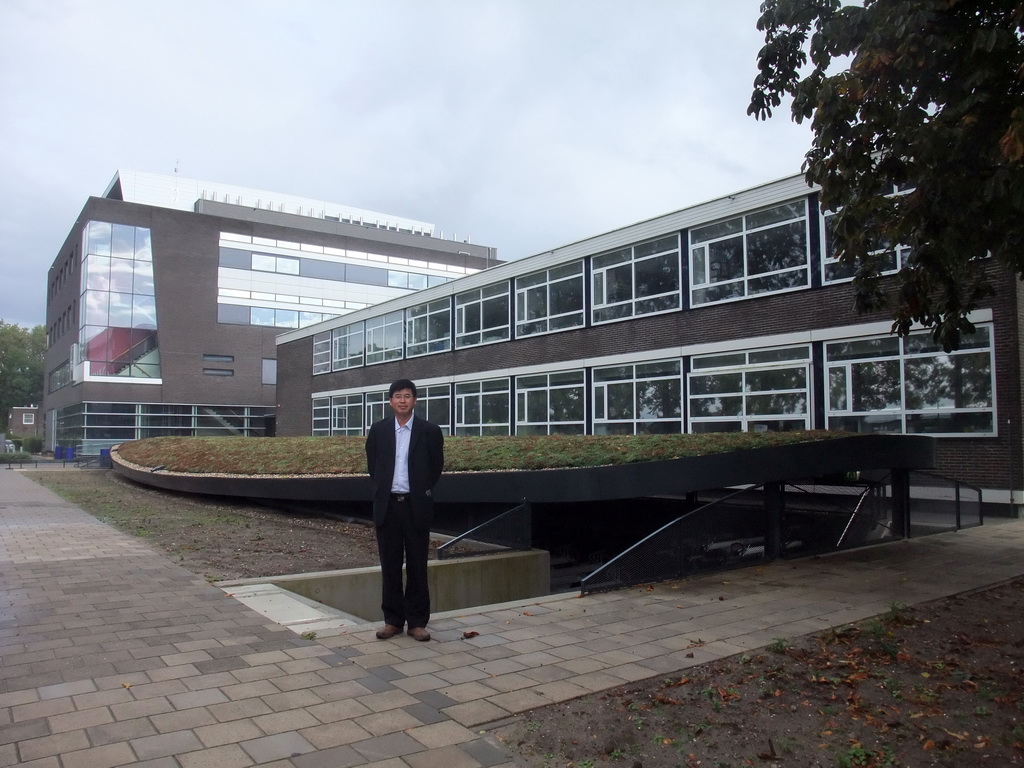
pixel 110 654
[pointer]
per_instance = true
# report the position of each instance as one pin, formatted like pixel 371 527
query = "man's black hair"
pixel 400 385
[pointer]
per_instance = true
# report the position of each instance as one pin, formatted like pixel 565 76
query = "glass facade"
pixel 90 427
pixel 118 323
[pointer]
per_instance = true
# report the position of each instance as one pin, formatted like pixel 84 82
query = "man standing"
pixel 404 456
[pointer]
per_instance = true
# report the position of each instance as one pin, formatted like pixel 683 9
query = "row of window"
pixel 93 426
pixel 318 269
pixel 767 251
pixel 873 384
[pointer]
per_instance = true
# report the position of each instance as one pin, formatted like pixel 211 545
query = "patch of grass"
pixel 346 455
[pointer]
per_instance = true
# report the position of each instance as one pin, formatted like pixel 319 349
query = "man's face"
pixel 402 403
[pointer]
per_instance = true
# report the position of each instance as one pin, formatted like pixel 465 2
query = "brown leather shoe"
pixel 419 633
pixel 388 631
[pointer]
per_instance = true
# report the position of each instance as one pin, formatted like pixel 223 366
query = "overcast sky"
pixel 521 124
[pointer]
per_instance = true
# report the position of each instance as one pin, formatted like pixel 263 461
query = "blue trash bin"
pixel 105 458
pixel 69 453
pixel 58 452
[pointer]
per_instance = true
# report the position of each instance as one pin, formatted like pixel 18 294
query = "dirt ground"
pixel 214 537
pixel 938 684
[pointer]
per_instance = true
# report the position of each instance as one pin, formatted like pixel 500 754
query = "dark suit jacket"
pixel 426 460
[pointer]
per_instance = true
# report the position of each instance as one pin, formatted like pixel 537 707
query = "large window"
pixel 428 328
pixel 482 408
pixel 347 415
pixel 482 316
pixel 637 280
pixel 550 301
pixel 888 384
pixel 551 404
pixel 347 347
pixel 890 258
pixel 118 326
pixel 758 391
pixel 384 338
pixel 761 252
pixel 635 399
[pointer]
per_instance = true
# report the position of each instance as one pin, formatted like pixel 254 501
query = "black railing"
pixel 719 535
pixel 511 531
pixel 939 504
pixel 760 523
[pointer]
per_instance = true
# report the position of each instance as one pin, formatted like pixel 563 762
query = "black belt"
pixel 401 498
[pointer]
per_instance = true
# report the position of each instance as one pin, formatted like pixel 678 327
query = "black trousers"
pixel 399 541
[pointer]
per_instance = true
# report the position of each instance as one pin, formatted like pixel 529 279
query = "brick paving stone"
pixel 342 709
pixel 38 708
pixel 442 734
pixel 145 708
pixel 476 712
pixel 105 756
pixel 125 730
pixel 165 744
pixel 443 757
pixel 226 756
pixel 379 702
pixel 468 692
pixel 336 757
pixel 434 699
pixel 486 752
pixel 280 722
pixel 73 721
pixel 57 744
pixel 387 746
pixel 277 747
pixel 380 723
pixel 335 734
pixel 203 698
pixel 228 733
pixel 291 700
pixel 183 719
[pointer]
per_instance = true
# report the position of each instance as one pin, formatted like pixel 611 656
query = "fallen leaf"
pixel 470 634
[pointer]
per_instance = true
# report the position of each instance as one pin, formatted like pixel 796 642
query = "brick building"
pixel 725 316
pixel 166 296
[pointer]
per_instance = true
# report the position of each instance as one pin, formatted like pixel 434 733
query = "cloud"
pixel 523 125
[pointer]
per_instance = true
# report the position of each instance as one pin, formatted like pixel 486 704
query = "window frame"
pixel 740 227
pixel 524 401
pixel 345 333
pixel 389 329
pixel 602 398
pixel 487 395
pixel 473 306
pixel 705 366
pixel 899 414
pixel 415 324
pixel 549 278
pixel 606 310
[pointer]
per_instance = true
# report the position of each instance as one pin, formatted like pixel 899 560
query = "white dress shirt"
pixel 403 434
